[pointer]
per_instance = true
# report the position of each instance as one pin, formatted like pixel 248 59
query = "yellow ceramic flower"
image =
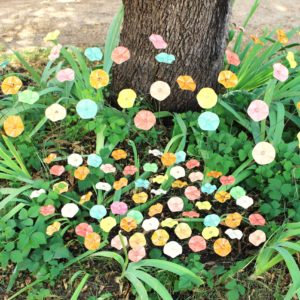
pixel 52 36
pixel 214 174
pixel 60 187
pixel 119 154
pixel 81 173
pixel 207 98
pixel 222 196
pixel 228 79
pixel 168 159
pixel 291 59
pixel 126 98
pixel 128 224
pixel 92 241
pixel 11 85
pixel 13 126
pixel 169 222
pixel 233 220
pixel 155 209
pixel 137 240
pixel 183 231
pixel 179 184
pixel 203 205
pixel 108 223
pixel 139 198
pixel 120 183
pixel 160 179
pixel 298 105
pixel 50 158
pixel 99 79
pixel 160 237
pixel 51 229
pixel 85 198
pixel 282 37
pixel 210 232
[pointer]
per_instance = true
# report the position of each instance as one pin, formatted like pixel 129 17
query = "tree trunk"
pixel 196 33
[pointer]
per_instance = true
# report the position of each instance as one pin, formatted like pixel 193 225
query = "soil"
pixel 24 23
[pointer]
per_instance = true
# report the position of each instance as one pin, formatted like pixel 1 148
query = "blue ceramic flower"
pixel 142 183
pixel 93 54
pixel 165 58
pixel 208 121
pixel 180 157
pixel 208 188
pixel 87 109
pixel 94 160
pixel 98 212
pixel 212 220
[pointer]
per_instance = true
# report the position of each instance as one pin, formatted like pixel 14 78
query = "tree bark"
pixel 196 33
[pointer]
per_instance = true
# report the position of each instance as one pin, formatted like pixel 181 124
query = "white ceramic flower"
pixel 158 192
pixel 263 153
pixel 55 112
pixel 75 160
pixel 172 249
pixel 244 202
pixel 257 237
pixel 155 152
pixel 37 193
pixel 177 172
pixel 160 90
pixel 234 233
pixel 104 186
pixel 196 176
pixel 69 210
pixel 175 204
pixel 150 224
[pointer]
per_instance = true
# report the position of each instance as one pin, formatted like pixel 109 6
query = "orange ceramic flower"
pixel 13 126
pixel 179 184
pixel 160 237
pixel 99 79
pixel 92 241
pixel 139 198
pixel 155 209
pixel 256 40
pixel 214 174
pixel 222 247
pixel 222 196
pixel 228 79
pixel 81 173
pixel 128 224
pixel 120 183
pixel 11 85
pixel 119 154
pixel 85 198
pixel 186 82
pixel 282 37
pixel 168 159
pixel 50 158
pixel 233 220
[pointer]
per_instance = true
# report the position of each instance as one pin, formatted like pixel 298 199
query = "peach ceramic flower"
pixel 51 229
pixel 190 214
pixel 119 154
pixel 13 126
pixel 183 231
pixel 196 176
pixel 92 241
pixel 128 224
pixel 232 58
pixel 233 220
pixel 197 243
pixel 83 229
pixel 130 170
pixel 81 173
pixel 108 168
pixel 227 180
pixel 144 120
pixel 120 54
pixel 222 247
pixel 160 237
pixel 192 193
pixel 186 83
pixel 155 209
pixel 175 204
pixel 11 85
pixel 99 79
pixel 222 196
pixel 257 237
pixel 137 254
pixel 263 153
pixel 137 240
pixel 228 79
pixel 47 210
pixel 57 170
pixel 140 198
pixel 257 219
pixel 258 110
pixel 116 242
pixel 192 163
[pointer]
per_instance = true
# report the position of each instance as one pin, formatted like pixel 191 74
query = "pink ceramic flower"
pixel 280 72
pixel 120 55
pixel 116 242
pixel 190 214
pixel 55 52
pixel 144 120
pixel 197 243
pixel 129 170
pixel 65 75
pixel 137 254
pixel 158 41
pixel 227 180
pixel 119 208
pixel 57 170
pixel 258 110
pixel 257 220
pixel 196 176
pixel 83 229
pixel 108 168
pixel 257 237
pixel 175 204
pixel 193 163
pixel 232 58
pixel 192 193
pixel 47 210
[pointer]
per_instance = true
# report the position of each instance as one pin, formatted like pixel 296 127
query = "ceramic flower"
pixel 99 79
pixel 144 120
pixel 51 229
pixel 234 233
pixel 155 152
pixel 130 170
pixel 177 172
pixel 57 170
pixel 232 58
pixel 228 79
pixel 257 219
pixel 237 192
pixel 169 222
pixel 83 229
pixel 126 98
pixel 81 173
pixel 120 54
pixel 60 187
pixel 172 249
pixel 210 232
pixel 65 75
pixel 116 242
pixel 119 208
pixel 69 210
pixel 119 184
pixel 258 110
pixel 11 85
pixel 136 215
pixel 158 41
pixel 212 220
pixel 155 209
pixel 85 198
pixel 207 98
pixel 190 214
pixel 257 237
pixel 256 40
pixel 208 121
pixel 282 37
pixel 160 179
pixel 86 109
pixel 150 224
pixel 140 198
pixel 192 193
pixel 183 231
pixel 160 237
pixel 244 201
pixel 175 204
pixel 75 160
pixel 13 126
pixel 142 183
pixel 168 159
pixel 180 157
pixel 52 36
pixel 227 180
pixel 47 210
pixel 119 154
pixel 28 96
pixel 280 72
pixel 192 163
pixel 128 224
pixel 179 184
pixel 150 167
pixel 205 205
pixel 92 241
pixel 55 112
pixel 160 90
pixel 222 247
pixel 233 220
pixel 165 58
pixel 55 52
pixel 222 196
pixel 50 158
pixel 186 83
pixel 137 240
pixel 98 212
pixel 208 188
pixel 93 54
pixel 94 160
pixel 291 59
pixel 137 254
pixel 107 224
pixel 107 168
pixel 263 153
pixel 37 193
pixel 214 174
pixel 197 243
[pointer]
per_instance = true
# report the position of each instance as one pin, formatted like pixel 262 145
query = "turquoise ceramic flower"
pixel 180 157
pixel 212 220
pixel 98 212
pixel 142 183
pixel 94 160
pixel 165 58
pixel 208 188
pixel 93 54
pixel 148 167
pixel 86 109
pixel 237 192
pixel 137 215
pixel 28 97
pixel 208 121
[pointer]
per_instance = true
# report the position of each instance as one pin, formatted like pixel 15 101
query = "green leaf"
pixel 138 285
pixel 16 256
pixel 39 238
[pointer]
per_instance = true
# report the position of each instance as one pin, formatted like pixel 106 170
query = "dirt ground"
pixel 24 23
